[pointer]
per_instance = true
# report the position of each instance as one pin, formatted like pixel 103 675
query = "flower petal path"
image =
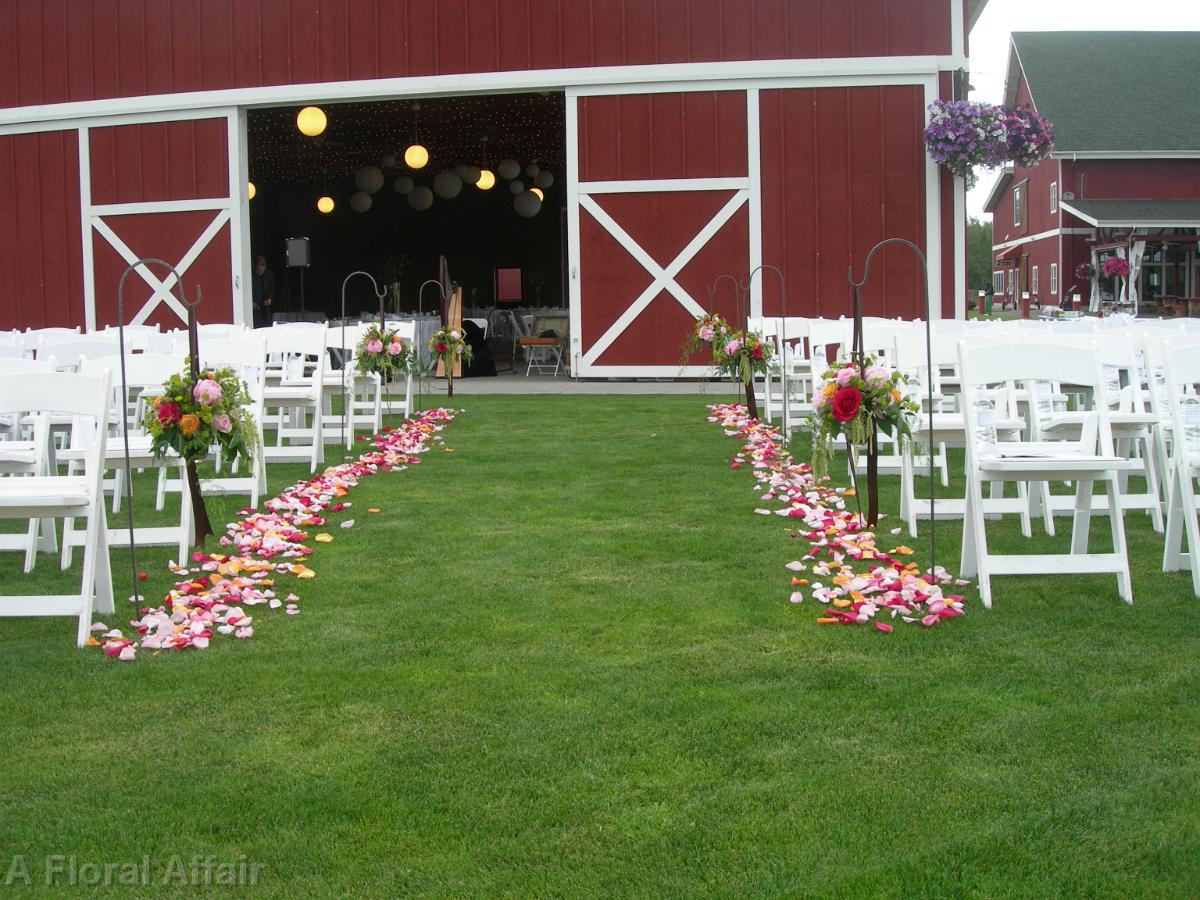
pixel 858 580
pixel 222 588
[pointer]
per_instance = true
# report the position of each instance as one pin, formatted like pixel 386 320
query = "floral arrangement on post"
pixel 450 346
pixel 962 134
pixel 196 412
pixel 710 330
pixel 382 352
pixel 1084 271
pixel 743 355
pixel 1030 137
pixel 1115 266
pixel 853 400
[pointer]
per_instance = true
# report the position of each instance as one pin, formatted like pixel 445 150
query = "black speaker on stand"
pixel 298 257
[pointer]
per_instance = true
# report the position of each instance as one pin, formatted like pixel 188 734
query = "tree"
pixel 979 255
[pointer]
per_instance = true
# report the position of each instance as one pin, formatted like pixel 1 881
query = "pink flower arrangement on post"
pixel 382 352
pixel 850 400
pixel 450 346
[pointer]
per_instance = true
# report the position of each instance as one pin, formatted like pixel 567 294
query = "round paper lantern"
pixel 471 174
pixel 369 179
pixel 251 190
pixel 388 161
pixel 416 156
pixel 360 202
pixel 311 120
pixel 532 170
pixel 527 204
pixel 508 169
pixel 403 185
pixel 544 179
pixel 447 185
pixel 421 198
pixel 538 192
pixel 516 187
pixel 325 204
pixel 486 180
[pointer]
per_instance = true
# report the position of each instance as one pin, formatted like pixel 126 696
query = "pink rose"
pixel 733 347
pixel 876 375
pixel 207 392
pixel 374 345
pixel 844 375
pixel 222 423
pixel 454 335
pixel 395 348
pixel 706 333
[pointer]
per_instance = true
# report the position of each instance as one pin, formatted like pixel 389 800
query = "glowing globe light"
pixel 416 156
pixel 539 193
pixel 311 120
pixel 486 180
pixel 325 204
pixel 251 190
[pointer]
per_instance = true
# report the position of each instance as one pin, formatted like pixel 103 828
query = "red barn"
pixel 1124 177
pixel 684 139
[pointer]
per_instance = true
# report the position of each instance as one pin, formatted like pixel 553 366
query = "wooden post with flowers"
pixel 203 527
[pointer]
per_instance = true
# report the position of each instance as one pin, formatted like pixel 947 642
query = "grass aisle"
pixel 561 660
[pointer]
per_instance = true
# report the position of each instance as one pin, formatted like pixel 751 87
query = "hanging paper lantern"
pixel 532 170
pixel 527 204
pixel 508 169
pixel 251 190
pixel 544 179
pixel 516 186
pixel 403 185
pixel 486 180
pixel 369 179
pixel 471 175
pixel 538 193
pixel 421 198
pixel 360 202
pixel 325 204
pixel 311 120
pixel 388 161
pixel 447 185
pixel 416 156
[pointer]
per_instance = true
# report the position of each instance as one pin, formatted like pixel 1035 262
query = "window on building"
pixel 1019 205
pixel 998 282
pixel 1053 279
pixel 1053 197
pixel 1033 281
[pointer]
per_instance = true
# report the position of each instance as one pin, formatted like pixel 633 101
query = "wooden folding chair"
pixel 60 496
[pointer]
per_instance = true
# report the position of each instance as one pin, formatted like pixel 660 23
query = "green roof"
pixel 1133 213
pixel 1115 91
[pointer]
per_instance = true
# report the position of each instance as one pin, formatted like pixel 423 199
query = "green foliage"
pixel 979 255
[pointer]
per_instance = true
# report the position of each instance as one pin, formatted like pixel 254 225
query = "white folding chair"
pixel 144 377
pixel 26 449
pixel 296 399
pixel 59 496
pixel 1084 461
pixel 1182 380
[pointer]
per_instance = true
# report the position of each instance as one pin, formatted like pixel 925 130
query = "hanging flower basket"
pixel 1115 266
pixel 1030 137
pixel 1085 271
pixel 962 134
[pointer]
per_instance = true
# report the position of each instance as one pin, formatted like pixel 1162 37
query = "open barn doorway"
pixel 351 192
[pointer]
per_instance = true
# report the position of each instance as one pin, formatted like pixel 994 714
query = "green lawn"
pixel 561 661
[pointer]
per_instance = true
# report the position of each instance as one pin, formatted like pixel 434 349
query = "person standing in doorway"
pixel 264 293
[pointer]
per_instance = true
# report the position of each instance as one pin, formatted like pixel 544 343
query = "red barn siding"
pixel 41 257
pixel 842 168
pixel 162 161
pixel 1135 179
pixel 117 48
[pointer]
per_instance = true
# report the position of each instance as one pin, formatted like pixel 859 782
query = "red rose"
pixel 846 403
pixel 756 353
pixel 441 348
pixel 168 413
